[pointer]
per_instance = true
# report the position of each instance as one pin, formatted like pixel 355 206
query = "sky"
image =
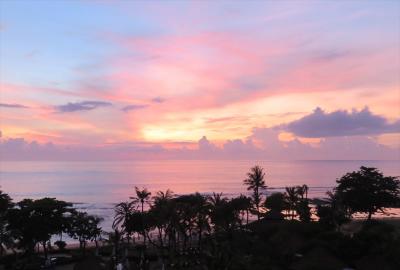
pixel 199 80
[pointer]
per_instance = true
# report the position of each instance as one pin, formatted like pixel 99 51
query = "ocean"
pixel 96 186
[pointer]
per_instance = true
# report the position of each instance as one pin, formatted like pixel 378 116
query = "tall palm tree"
pixel 123 211
pixel 305 188
pixel 216 202
pixel 216 199
pixel 302 191
pixel 255 182
pixel 162 197
pixel 142 196
pixel 302 204
pixel 243 204
pixel 162 211
pixel 202 212
pixel 292 199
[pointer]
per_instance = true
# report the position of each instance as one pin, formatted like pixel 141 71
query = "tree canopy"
pixel 255 182
pixel 35 221
pixel 368 191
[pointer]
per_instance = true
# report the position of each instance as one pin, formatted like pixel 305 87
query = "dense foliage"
pixel 368 191
pixel 280 230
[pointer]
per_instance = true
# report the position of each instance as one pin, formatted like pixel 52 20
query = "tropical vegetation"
pixel 256 230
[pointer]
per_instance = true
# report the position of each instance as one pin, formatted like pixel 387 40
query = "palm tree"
pixel 161 211
pixel 292 199
pixel 142 196
pixel 163 197
pixel 302 191
pixel 216 199
pixel 215 202
pixel 332 212
pixel 123 211
pixel 305 188
pixel 225 217
pixel 203 211
pixel 255 182
pixel 243 204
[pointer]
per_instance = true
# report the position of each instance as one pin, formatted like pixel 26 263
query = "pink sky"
pixel 317 80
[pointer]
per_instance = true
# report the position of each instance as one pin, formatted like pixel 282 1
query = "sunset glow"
pixel 154 79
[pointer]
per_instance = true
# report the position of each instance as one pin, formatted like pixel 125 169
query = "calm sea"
pixel 96 186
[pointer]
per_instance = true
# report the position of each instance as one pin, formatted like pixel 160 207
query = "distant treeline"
pixel 175 225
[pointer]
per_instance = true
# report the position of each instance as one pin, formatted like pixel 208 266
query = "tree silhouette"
pixel 136 223
pixel 368 191
pixel 5 234
pixel 303 209
pixel 123 212
pixel 197 231
pixel 302 205
pixel 302 191
pixel 331 211
pixel 255 182
pixel 216 199
pixel 297 202
pixel 202 209
pixel 243 204
pixel 161 212
pixel 292 198
pixel 84 227
pixel 142 197
pixel 276 202
pixel 225 216
pixel 35 221
pixel 192 213
pixel 163 197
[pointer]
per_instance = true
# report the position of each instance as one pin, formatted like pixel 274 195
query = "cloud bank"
pixel 320 124
pixel 263 144
pixel 342 135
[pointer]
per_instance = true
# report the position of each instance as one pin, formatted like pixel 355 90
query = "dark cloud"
pixel 341 123
pixel 7 105
pixel 158 100
pixel 82 106
pixel 134 107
